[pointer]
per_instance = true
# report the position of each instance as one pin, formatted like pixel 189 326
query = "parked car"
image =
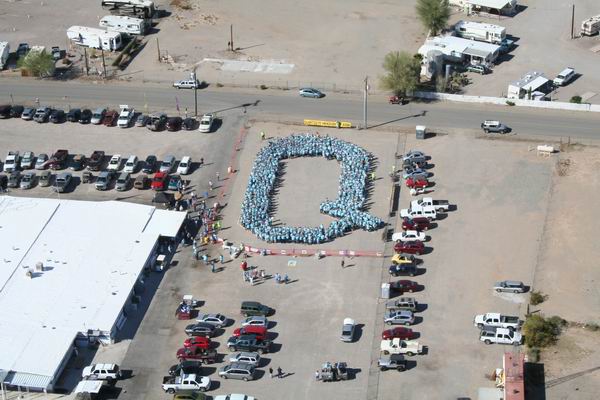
pixel 16 111
pixel 125 116
pixel 3 182
pixel 57 116
pixel 196 353
pixel 56 53
pixel 404 259
pixel 510 287
pixel 186 383
pixel 78 162
pixel 27 161
pixel 415 224
pixel 397 346
pixel 490 335
pixel 417 248
pixel 186 84
pixel 404 286
pixel 248 343
pixel 186 367
pixel 110 118
pixel 564 77
pixel 200 329
pixel 184 165
pixel 102 372
pixel 259 331
pixel 409 236
pixel 74 114
pixel 174 182
pixel 398 333
pixel 62 182
pixel 141 182
pixel 167 164
pixel 115 163
pixel 42 114
pixel 199 341
pixel 159 181
pixel 41 161
pixel 251 358
pixel 45 178
pixel 414 172
pixel 123 182
pixel 310 92
pixel 217 320
pixel 22 50
pixel 478 68
pixel 142 120
pixel 14 178
pixel 419 212
pixel 494 127
pixel 104 180
pixel 392 361
pixel 174 124
pixel 241 371
pixel 86 116
pixel 157 122
pixel 12 161
pixel 402 269
pixel 5 111
pixel 28 114
pixel 149 165
pixel 59 159
pixel 497 320
pixel 96 161
pixel 233 396
pixel 399 317
pixel 189 124
pixel 206 123
pixel 256 320
pixel 98 116
pixel 254 308
pixel 402 303
pixel 131 164
pixel 413 155
pixel 348 328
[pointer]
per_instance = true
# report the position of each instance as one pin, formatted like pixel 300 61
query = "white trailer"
pixel 590 26
pixel 123 24
pixel 95 38
pixel 480 31
pixel 136 8
pixel 4 52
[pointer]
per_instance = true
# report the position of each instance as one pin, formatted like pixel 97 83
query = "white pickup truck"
pixel 490 335
pixel 185 382
pixel 497 320
pixel 398 346
pixel 438 205
pixel 415 212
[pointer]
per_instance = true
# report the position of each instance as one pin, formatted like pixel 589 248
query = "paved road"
pixel 288 106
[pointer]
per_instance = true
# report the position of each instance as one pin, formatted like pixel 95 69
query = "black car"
pixel 403 269
pixel 174 124
pixel 85 117
pixel 22 50
pixel 5 111
pixel 186 367
pixel 16 111
pixel 3 182
pixel 189 124
pixel 149 165
pixel 200 329
pixel 96 160
pixel 74 115
pixel 248 343
pixel 57 116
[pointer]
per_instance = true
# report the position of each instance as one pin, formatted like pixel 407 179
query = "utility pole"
pixel 573 22
pixel 103 64
pixel 158 49
pixel 231 37
pixel 87 67
pixel 366 90
pixel 195 92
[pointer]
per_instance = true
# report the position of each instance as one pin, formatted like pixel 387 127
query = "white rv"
pixel 95 38
pixel 479 31
pixel 134 8
pixel 4 52
pixel 590 26
pixel 123 24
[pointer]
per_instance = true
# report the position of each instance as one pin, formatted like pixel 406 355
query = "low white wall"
pixel 556 105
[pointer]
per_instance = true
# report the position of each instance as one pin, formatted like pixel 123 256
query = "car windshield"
pixel 101 179
pixel 182 164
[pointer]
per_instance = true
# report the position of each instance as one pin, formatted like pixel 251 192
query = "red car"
pixel 159 182
pixel 197 341
pixel 399 332
pixel 58 159
pixel 417 184
pixel 415 224
pixel 414 247
pixel 110 118
pixel 404 286
pixel 259 331
pixel 196 353
pixel 397 100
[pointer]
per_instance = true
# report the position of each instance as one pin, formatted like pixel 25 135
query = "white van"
pixel 184 165
pixel 564 77
pixel 131 164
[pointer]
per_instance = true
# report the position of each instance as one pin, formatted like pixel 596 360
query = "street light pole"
pixel 195 93
pixel 366 90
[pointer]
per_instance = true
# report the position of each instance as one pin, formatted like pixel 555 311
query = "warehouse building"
pixel 68 274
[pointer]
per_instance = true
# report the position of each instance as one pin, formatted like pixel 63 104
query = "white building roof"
pixel 93 254
pixel 531 80
pixel 453 46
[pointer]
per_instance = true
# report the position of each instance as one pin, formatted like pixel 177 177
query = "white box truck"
pixel 123 24
pixel 590 26
pixel 95 38
pixel 479 31
pixel 4 52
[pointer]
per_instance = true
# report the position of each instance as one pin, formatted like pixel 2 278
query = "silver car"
pixel 28 180
pixel 399 317
pixel 216 320
pixel 40 162
pixel 241 371
pixel 98 116
pixel 348 330
pixel 252 358
pixel 167 164
pixel 62 182
pixel 257 320
pixel 123 181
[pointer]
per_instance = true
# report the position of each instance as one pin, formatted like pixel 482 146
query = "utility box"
pixel 421 131
pixel 385 290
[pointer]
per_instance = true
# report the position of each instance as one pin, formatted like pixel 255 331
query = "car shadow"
pixel 421 307
pixel 418 320
pixel 420 271
pixel 258 374
pixel 353 372
pixel 272 336
pixel 217 123
pixel 206 371
pixel 410 364
pixel 272 324
pixel 428 166
pixel 264 362
pixel 427 250
pixel 275 348
pixel 214 385
pixel 358 332
pixel 218 332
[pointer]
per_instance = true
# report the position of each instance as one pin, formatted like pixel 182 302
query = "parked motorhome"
pixel 133 8
pixel 95 38
pixel 4 52
pixel 123 24
pixel 480 31
pixel 590 26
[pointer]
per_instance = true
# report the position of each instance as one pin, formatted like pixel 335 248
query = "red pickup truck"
pixel 58 159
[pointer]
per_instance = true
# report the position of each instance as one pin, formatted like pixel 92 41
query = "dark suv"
pixel 403 269
pixel 74 115
pixel 253 308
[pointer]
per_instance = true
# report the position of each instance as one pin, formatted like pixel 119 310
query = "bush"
pixel 592 326
pixel 40 64
pixel 575 99
pixel 540 332
pixel 537 297
pixel 219 84
pixel 533 355
pixel 510 103
pixel 263 87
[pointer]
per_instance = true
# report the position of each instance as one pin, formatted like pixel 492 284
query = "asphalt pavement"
pixel 288 106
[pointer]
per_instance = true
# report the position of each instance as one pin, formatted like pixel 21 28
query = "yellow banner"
pixel 327 124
